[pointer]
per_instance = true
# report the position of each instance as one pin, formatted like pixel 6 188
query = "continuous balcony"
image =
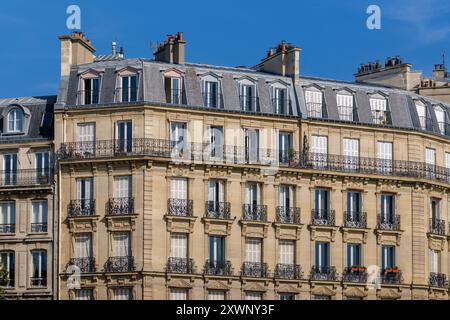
pixel 438 280
pixel 218 268
pixel 7 228
pixel 437 227
pixel 120 264
pixel 323 217
pixel 323 274
pixel 255 269
pixel 84 265
pixel 180 207
pixel 38 282
pixel 180 265
pixel 357 274
pixel 288 215
pixel 217 210
pixel 388 222
pixel 288 271
pixel 26 178
pixel 120 206
pixel 253 212
pixel 39 228
pixel 81 208
pixel 391 276
pixel 355 219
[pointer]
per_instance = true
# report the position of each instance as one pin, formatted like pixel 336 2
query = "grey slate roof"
pixel 151 90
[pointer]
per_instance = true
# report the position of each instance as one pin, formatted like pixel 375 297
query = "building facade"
pixel 26 197
pixel 187 181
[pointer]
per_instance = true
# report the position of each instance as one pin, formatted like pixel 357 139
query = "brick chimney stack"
pixel 75 49
pixel 172 50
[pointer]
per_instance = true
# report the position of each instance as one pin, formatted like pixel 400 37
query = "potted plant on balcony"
pixel 291 155
pixel 395 270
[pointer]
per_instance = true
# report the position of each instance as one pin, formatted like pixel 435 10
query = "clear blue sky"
pixel 332 33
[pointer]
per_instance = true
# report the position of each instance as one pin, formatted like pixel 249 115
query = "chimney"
pixel 440 72
pixel 172 50
pixel 284 61
pixel 114 48
pixel 75 50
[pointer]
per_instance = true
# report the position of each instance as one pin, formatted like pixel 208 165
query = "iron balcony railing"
pixel 25 177
pixel 39 282
pixel 381 117
pixel 255 269
pixel 212 99
pixel 176 97
pixel 314 110
pixel 391 276
pixel 281 106
pixel 87 97
pixel 288 271
pixel 437 226
pixel 81 208
pixel 345 113
pixel 126 94
pixel 39 227
pixel 180 265
pixel 120 264
pixel 120 206
pixel 438 280
pixel 217 210
pixel 355 274
pixel 218 268
pixel 390 222
pixel 355 219
pixel 426 123
pixel 249 103
pixel 180 207
pixel 323 273
pixel 323 217
pixel 288 215
pixel 85 265
pixel 7 228
pixel 254 212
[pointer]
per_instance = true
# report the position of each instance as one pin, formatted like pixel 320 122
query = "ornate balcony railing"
pixel 355 219
pixel 388 222
pixel 321 217
pixel 39 227
pixel 253 212
pixel 355 274
pixel 323 273
pixel 120 264
pixel 180 207
pixel 217 210
pixel 288 271
pixel 85 265
pixel 7 228
pixel 255 269
pixel 391 276
pixel 288 215
pixel 218 268
pixel 120 206
pixel 180 265
pixel 26 178
pixel 39 282
pixel 81 208
pixel 438 280
pixel 437 226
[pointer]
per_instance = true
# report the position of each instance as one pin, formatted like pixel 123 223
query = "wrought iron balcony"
pixel 323 273
pixel 249 103
pixel 255 269
pixel 281 106
pixel 82 208
pixel 253 212
pixel 180 265
pixel 323 218
pixel 39 282
pixel 120 264
pixel 217 210
pixel 39 227
pixel 388 222
pixel 288 215
pixel 87 97
pixel 355 274
pixel 355 219
pixel 218 268
pixel 85 265
pixel 438 280
pixel 26 178
pixel 7 228
pixel 180 207
pixel 437 226
pixel 212 99
pixel 381 117
pixel 391 276
pixel 175 96
pixel 120 206
pixel 288 271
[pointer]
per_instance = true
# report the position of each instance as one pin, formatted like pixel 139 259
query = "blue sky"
pixel 332 33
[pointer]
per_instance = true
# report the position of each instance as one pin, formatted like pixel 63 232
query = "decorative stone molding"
pixel 287 231
pixel 217 285
pixel 179 283
pixel 255 287
pixel 323 233
pixel 178 224
pixel 121 223
pixel 388 237
pixel 357 292
pixel 288 288
pixel 83 224
pixel 323 291
pixel 221 227
pixel 389 293
pixel 354 235
pixel 254 229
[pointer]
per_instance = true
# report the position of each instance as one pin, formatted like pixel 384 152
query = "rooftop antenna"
pixel 443 58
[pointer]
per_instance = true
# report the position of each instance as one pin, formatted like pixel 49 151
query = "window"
pixel 217 250
pixel 10 169
pixel 251 145
pixel 440 117
pixel 178 189
pixel 421 112
pixel 216 295
pixel 124 136
pixel 286 151
pixel 122 187
pixel 249 101
pixel 39 275
pixel 8 217
pixel 314 101
pixel 7 263
pixel 216 197
pixel 39 217
pixel 384 156
pixel 129 88
pixel 286 252
pixel 83 246
pixel 179 245
pixel 430 160
pixel 174 90
pixel 387 257
pixel 353 202
pixel 122 244
pixel 253 250
pixel 123 294
pixel 286 196
pixel 42 164
pixel 322 201
pixel 322 255
pixel 319 149
pixel 90 92
pixel 435 261
pixel 216 141
pixel 178 294
pixel 280 101
pixel 354 255
pixel 378 105
pixel 85 190
pixel 351 154
pixel 178 136
pixel 447 165
pixel 387 208
pixel 435 209
pixel 345 106
pixel 86 137
pixel 253 194
pixel 84 294
pixel 211 94
pixel 287 296
pixel 253 296
pixel 15 121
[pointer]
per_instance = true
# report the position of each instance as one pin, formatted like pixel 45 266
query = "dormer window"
pixel 280 98
pixel 345 104
pixel 173 87
pixel 440 117
pixel 15 121
pixel 379 108
pixel 422 113
pixel 90 91
pixel 211 94
pixel 129 88
pixel 248 96
pixel 314 102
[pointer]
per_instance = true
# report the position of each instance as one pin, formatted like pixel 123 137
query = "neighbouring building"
pixel 26 197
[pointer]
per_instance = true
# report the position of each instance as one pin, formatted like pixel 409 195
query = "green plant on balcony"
pixel 3 280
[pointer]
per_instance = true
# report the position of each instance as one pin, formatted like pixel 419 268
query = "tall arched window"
pixel 15 120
